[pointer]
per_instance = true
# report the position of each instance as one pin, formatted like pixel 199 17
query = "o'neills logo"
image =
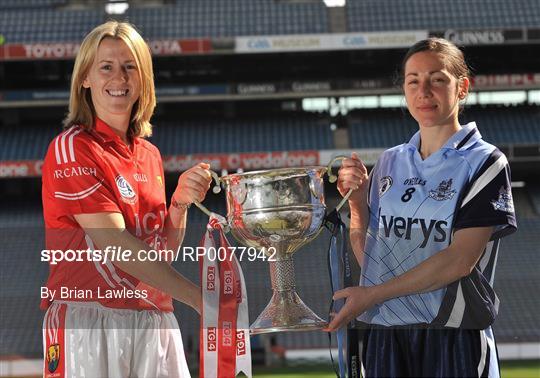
pixel 228 282
pixel 74 171
pixel 211 339
pixel 240 343
pixel 384 184
pixel 226 335
pixel 126 191
pixel 211 278
pixel 140 177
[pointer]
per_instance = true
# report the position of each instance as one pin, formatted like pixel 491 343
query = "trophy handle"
pixel 333 178
pixel 216 189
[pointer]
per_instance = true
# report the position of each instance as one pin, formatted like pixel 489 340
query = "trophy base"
pixel 286 312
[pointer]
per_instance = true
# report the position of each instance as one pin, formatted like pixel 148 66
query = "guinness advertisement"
pixel 467 37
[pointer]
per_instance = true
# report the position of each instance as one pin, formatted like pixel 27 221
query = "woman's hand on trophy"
pixel 357 300
pixel 353 175
pixel 193 185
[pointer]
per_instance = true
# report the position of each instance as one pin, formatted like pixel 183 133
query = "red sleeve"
pixel 162 176
pixel 74 180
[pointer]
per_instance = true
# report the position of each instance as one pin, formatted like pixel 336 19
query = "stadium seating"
pixel 205 136
pixel 243 135
pixel 36 20
pixel 367 129
pixel 498 125
pixel 377 129
pixel 502 125
pixel 21 4
pixel 21 223
pixel 229 18
pixel 534 194
pixel 384 15
pixel 30 144
pixel 38 25
pixel 516 282
pixel 187 19
pixel 22 235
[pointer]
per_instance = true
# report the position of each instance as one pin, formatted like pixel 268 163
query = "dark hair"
pixel 453 56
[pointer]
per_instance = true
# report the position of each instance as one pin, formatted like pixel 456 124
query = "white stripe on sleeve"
pixel 63 143
pixel 486 178
pixel 79 195
pixel 57 150
pixel 71 151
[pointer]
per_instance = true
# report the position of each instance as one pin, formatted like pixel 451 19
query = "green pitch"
pixel 509 369
pixel 520 369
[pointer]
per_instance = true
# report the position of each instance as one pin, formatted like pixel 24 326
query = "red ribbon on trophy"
pixel 224 344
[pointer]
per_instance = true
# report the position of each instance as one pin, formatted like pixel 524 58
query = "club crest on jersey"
pixel 53 357
pixel 443 192
pixel 384 184
pixel 125 189
pixel 504 202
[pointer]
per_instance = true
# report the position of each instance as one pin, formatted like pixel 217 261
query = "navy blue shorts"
pixel 425 352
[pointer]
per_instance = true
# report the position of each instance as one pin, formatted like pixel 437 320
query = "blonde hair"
pixel 81 108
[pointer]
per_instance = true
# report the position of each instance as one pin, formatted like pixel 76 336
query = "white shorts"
pixel 86 339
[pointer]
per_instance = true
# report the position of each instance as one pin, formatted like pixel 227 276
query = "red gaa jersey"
pixel 93 172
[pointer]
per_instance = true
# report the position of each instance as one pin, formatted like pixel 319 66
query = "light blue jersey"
pixel 415 205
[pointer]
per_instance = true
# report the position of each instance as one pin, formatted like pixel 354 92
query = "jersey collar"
pixel 465 138
pixel 107 134
pixel 462 140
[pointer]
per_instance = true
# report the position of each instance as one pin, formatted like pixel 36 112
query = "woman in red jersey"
pixel 104 195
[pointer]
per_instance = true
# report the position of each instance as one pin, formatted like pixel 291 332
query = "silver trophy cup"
pixel 283 209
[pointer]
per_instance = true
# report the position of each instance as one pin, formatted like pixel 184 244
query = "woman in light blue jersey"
pixel 425 228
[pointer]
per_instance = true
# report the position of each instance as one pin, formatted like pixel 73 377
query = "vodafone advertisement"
pixel 247 161
pixel 20 168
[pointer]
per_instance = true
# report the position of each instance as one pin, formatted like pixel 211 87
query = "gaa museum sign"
pixel 337 41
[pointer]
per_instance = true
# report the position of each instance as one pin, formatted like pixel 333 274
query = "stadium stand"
pixel 368 129
pixel 534 194
pixel 239 135
pixel 498 125
pixel 35 25
pixel 21 225
pixel 22 235
pixel 503 125
pixel 32 143
pixel 244 135
pixel 39 22
pixel 229 18
pixel 516 281
pixel 380 128
pixel 384 15
pixel 186 19
pixel 22 4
